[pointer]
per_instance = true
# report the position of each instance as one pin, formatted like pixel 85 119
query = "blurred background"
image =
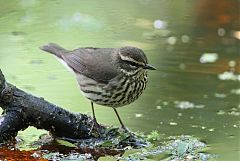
pixel 193 43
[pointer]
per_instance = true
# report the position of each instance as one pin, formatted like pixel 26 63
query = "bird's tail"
pixel 54 49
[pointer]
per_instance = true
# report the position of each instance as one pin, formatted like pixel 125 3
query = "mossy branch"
pixel 21 109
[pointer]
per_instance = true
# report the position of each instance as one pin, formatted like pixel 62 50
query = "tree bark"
pixel 22 110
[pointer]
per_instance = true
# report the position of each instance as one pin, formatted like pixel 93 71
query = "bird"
pixel 112 77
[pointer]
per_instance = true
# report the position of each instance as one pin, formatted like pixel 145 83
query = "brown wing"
pixel 95 63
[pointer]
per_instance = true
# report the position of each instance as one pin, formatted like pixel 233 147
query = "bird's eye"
pixel 133 64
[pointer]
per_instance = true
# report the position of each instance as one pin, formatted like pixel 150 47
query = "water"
pixel 186 95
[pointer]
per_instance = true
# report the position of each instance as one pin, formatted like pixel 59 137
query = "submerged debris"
pixel 173 123
pixel 229 76
pixel 71 156
pixel 177 148
pixel 186 105
pixel 220 95
pixel 209 58
pixel 138 115
pixel 115 141
pixel 232 112
pixel 236 91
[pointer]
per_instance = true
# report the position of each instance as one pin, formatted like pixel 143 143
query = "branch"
pixel 22 110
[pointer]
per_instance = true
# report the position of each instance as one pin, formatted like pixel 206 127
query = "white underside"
pixel 65 64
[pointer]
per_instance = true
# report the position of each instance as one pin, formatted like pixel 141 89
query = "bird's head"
pixel 132 60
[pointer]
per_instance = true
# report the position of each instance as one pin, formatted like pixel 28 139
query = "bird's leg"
pixel 95 124
pixel 123 126
pixel 93 112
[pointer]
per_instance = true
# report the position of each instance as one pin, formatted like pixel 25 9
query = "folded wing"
pixel 95 63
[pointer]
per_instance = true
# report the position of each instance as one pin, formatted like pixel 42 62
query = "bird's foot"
pixel 125 129
pixel 95 127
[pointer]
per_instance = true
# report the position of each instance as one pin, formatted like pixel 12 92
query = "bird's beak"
pixel 150 67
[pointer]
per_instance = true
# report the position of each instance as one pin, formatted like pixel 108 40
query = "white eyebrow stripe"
pixel 130 59
pixel 131 72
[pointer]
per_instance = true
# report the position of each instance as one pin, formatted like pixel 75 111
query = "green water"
pixel 187 30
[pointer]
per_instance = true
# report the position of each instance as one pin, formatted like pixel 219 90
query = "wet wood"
pixel 22 109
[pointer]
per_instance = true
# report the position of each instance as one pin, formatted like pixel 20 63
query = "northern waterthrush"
pixel 111 77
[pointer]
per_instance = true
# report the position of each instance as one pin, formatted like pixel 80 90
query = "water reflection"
pixel 79 20
pixel 194 45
